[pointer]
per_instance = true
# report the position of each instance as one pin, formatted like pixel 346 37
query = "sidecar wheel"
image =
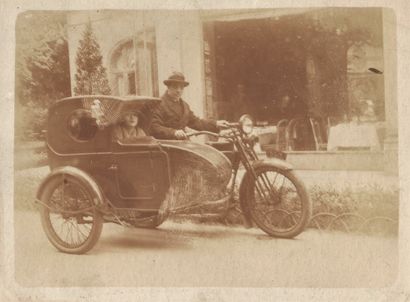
pixel 278 202
pixel 73 233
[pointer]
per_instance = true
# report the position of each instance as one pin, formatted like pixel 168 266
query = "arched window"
pixel 133 66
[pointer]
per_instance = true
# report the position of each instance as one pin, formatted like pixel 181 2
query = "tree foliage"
pixel 42 62
pixel 91 77
pixel 42 68
pixel 49 72
pixel 303 56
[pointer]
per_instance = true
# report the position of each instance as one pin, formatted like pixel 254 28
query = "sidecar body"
pixel 138 175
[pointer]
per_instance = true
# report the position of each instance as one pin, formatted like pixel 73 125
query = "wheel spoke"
pixel 67 235
pixel 270 186
pixel 73 227
pixel 79 230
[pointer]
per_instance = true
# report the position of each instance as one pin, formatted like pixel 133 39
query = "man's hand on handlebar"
pixel 225 132
pixel 222 124
pixel 180 134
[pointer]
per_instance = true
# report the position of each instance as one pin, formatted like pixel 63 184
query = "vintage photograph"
pixel 236 148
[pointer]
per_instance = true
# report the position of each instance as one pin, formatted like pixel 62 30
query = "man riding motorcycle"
pixel 174 114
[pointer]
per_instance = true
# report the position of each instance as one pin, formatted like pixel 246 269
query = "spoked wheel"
pixel 278 202
pixel 71 222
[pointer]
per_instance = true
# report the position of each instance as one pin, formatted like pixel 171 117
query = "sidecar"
pixel 96 179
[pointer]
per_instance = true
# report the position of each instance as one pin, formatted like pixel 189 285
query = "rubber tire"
pixel 49 230
pixel 302 193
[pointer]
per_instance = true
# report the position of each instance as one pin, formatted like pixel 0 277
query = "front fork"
pixel 264 187
pixel 232 183
pixel 238 198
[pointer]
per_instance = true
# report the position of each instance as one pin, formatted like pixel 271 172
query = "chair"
pixel 291 133
pixel 281 136
pixel 318 135
pixel 304 134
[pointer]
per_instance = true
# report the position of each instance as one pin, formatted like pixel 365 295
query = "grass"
pixel 369 208
pixel 30 155
pixel 26 183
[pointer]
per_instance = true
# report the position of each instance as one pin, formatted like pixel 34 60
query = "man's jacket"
pixel 170 116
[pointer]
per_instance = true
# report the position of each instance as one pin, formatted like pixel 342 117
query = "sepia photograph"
pixel 206 148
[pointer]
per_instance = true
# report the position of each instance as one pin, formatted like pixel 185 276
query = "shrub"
pixel 30 121
pixel 369 208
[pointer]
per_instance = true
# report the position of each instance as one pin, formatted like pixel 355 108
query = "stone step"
pixel 336 160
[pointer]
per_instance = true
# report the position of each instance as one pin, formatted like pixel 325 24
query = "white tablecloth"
pixel 353 135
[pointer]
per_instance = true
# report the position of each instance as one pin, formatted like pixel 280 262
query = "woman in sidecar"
pixel 100 174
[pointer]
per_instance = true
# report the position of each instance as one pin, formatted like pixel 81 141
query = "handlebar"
pixel 196 133
pixel 230 125
pixel 233 125
pixel 202 133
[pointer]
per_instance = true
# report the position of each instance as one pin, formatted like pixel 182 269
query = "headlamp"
pixel 246 124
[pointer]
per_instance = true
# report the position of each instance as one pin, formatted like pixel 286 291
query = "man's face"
pixel 175 91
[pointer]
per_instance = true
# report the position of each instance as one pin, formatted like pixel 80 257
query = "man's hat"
pixel 176 78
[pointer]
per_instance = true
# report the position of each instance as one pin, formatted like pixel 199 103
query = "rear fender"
pixel 80 175
pixel 243 188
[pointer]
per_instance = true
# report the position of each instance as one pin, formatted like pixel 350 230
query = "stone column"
pixel 192 60
pixel 390 91
pixel 168 44
pixel 179 48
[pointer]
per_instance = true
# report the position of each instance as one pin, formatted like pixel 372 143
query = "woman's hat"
pixel 134 112
pixel 130 108
pixel 176 78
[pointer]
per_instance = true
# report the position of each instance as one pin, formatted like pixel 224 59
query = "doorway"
pixel 259 67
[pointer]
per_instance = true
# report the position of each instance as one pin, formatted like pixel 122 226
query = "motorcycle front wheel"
pixel 277 202
pixel 69 219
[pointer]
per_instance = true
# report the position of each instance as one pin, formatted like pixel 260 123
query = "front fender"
pixel 273 162
pixel 243 188
pixel 82 176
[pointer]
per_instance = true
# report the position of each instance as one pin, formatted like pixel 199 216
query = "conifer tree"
pixel 42 70
pixel 91 76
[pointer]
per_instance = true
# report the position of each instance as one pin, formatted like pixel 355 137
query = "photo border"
pixel 11 290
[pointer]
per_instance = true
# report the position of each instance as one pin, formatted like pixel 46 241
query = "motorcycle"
pixel 94 180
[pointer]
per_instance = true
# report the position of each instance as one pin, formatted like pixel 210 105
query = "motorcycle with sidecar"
pixel 95 180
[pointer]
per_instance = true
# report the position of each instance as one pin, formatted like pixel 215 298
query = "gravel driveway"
pixel 186 254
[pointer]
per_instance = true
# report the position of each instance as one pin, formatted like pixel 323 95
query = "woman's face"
pixel 131 120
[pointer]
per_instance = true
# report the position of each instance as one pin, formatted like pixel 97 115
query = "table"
pixel 353 135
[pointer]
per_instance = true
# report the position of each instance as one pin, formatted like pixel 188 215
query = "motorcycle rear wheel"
pixel 277 202
pixel 68 228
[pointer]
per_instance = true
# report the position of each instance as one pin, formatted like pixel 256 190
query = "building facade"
pixel 272 63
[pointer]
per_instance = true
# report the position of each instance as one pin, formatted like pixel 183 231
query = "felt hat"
pixel 176 78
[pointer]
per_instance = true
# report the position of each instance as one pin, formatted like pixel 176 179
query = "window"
pixel 133 66
pixel 132 89
pixel 81 125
